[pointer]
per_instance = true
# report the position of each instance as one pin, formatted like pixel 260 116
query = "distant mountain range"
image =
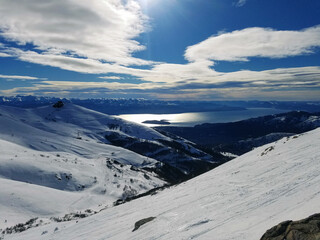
pixel 242 136
pixel 135 106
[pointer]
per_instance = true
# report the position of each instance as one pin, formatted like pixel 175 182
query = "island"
pixel 160 122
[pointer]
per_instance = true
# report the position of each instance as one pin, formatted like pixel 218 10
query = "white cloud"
pixel 110 77
pixel 240 45
pixel 97 37
pixel 94 29
pixel 4 55
pixel 20 77
pixel 293 83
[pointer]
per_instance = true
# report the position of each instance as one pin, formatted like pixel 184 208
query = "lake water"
pixel 191 119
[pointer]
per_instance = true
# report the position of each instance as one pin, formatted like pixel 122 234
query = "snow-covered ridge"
pixel 238 200
pixel 46 184
pixel 82 118
pixel 78 130
pixel 48 154
pixel 140 105
pixel 242 136
pixel 54 161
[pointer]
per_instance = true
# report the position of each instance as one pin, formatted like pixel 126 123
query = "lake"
pixel 194 118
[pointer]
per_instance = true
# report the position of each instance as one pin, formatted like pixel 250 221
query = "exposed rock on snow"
pixel 306 229
pixel 142 222
pixel 58 104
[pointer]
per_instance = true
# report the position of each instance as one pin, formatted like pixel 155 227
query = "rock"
pixel 306 229
pixel 141 222
pixel 58 104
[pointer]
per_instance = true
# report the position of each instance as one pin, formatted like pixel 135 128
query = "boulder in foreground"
pixel 306 229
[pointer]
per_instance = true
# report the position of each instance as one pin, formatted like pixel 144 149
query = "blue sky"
pixel 161 49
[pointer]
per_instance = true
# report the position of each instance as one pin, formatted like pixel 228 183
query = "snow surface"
pixel 69 121
pixel 72 129
pixel 54 161
pixel 42 184
pixel 81 131
pixel 238 200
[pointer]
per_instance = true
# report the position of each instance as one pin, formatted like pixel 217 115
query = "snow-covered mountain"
pixel 237 200
pixel 54 161
pixel 63 159
pixel 82 131
pixel 242 136
pixel 140 105
pixel 122 105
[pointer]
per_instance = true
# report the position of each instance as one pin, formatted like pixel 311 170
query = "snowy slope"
pixel 45 184
pixel 54 161
pixel 238 200
pixel 81 131
pixel 47 169
pixel 71 121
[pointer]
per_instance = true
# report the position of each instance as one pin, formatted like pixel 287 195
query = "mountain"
pixel 61 155
pixel 74 125
pixel 240 199
pixel 115 106
pixel 74 159
pixel 28 101
pixel 52 183
pixel 242 136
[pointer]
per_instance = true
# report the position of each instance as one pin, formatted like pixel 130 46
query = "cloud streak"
pixel 110 77
pixel 16 77
pixel 292 82
pixel 240 3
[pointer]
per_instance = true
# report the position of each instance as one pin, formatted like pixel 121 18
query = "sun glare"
pixel 146 4
pixel 171 118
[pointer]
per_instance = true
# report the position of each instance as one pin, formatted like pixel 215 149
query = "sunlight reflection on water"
pixel 191 119
pixel 180 119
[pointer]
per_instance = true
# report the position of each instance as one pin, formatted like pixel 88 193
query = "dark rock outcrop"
pixel 306 229
pixel 58 104
pixel 141 222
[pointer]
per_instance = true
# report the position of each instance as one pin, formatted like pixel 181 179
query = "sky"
pixel 161 49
